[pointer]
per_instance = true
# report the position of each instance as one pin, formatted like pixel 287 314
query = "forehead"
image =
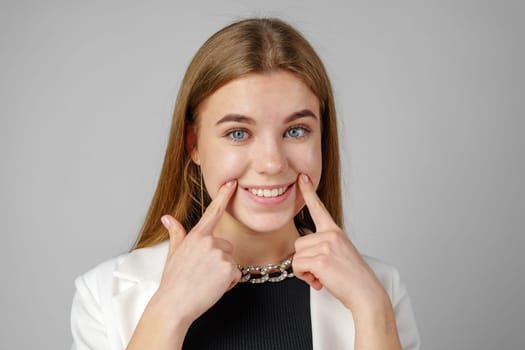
pixel 269 96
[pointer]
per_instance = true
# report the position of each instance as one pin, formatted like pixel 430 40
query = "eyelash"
pixel 229 134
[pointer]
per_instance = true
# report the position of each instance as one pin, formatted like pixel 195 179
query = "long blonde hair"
pixel 256 45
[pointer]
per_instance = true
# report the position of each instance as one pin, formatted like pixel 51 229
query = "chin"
pixel 265 227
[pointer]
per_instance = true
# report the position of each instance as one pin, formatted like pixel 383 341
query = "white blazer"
pixel 110 299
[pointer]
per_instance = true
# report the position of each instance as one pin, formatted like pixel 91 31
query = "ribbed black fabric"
pixel 256 317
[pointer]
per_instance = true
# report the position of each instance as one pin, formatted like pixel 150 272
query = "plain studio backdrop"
pixel 430 100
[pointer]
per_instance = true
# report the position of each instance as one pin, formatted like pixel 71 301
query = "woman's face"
pixel 263 130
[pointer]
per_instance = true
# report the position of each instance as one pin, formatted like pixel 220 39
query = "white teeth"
pixel 268 193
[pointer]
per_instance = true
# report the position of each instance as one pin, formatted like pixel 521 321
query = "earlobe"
pixel 195 156
pixel 191 144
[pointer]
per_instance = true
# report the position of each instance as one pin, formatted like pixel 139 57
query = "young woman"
pixel 243 246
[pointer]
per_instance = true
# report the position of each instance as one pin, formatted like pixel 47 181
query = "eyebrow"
pixel 239 118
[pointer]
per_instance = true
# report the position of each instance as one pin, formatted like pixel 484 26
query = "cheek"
pixel 219 166
pixel 308 161
pixel 311 164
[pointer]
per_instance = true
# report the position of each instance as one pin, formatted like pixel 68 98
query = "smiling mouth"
pixel 268 193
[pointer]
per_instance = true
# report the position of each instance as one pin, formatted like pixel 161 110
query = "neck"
pixel 257 248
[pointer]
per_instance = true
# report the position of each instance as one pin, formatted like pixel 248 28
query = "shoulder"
pixel 382 269
pixel 132 265
pixel 389 277
pixel 91 278
pixel 90 321
pixel 102 310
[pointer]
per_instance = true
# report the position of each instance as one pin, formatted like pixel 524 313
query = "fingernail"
pixel 230 183
pixel 305 178
pixel 166 221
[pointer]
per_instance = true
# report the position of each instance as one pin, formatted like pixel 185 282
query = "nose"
pixel 269 157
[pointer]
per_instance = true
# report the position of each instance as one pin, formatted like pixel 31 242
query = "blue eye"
pixel 296 132
pixel 238 135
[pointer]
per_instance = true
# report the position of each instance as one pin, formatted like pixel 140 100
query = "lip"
pixel 266 187
pixel 269 200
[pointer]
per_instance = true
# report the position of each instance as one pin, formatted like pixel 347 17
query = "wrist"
pixel 159 327
pixel 170 316
pixel 373 309
pixel 376 318
pixel 375 327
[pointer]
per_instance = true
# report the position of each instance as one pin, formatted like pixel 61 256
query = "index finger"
pixel 218 205
pixel 322 219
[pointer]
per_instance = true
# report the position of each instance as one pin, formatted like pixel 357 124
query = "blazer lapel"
pixel 332 323
pixel 135 280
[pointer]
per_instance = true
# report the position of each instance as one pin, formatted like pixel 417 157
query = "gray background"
pixel 430 100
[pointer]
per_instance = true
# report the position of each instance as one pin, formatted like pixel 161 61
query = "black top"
pixel 256 317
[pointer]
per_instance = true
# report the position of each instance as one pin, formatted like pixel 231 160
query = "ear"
pixel 191 143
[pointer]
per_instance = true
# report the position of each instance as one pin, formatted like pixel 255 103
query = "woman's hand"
pixel 328 258
pixel 199 267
